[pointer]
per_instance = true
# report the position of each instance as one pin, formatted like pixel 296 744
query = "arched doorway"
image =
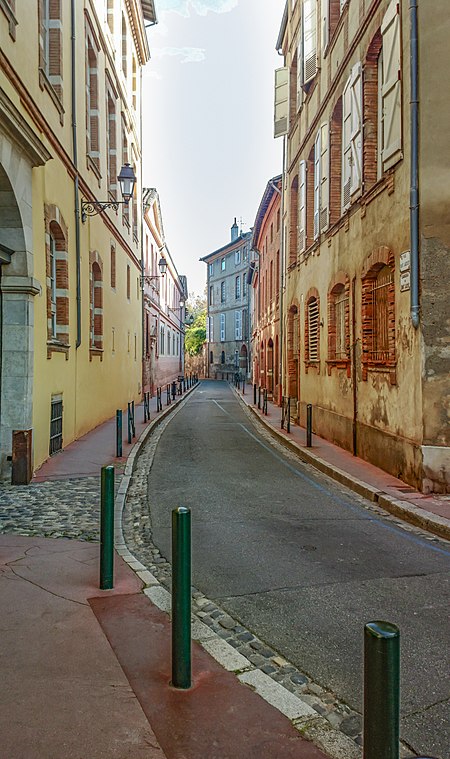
pixel 243 360
pixel 270 367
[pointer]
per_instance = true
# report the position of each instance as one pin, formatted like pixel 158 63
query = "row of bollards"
pixel 381 639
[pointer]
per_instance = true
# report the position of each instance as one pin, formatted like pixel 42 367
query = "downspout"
pixel 414 188
pixel 143 319
pixel 75 163
pixel 282 254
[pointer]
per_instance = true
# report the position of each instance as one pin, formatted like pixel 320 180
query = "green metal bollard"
pixel 181 598
pixel 107 529
pixel 381 690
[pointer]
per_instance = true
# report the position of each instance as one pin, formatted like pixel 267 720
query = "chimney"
pixel 234 231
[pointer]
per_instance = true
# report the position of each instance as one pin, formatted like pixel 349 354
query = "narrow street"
pixel 302 562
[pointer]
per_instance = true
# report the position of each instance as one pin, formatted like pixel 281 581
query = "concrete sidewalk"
pixel 430 512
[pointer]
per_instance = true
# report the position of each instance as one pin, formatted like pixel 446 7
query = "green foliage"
pixel 196 331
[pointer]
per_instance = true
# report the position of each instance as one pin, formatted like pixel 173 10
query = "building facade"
pixel 265 283
pixel 164 300
pixel 227 321
pixel 365 278
pixel 70 269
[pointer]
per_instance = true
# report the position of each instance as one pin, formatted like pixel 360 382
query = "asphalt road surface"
pixel 304 563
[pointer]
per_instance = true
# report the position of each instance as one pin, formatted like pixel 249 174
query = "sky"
pixel 208 144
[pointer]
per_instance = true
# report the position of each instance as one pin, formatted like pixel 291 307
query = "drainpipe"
pixel 282 254
pixel 142 210
pixel 414 188
pixel 75 163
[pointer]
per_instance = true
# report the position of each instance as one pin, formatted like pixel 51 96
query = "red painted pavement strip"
pixel 218 718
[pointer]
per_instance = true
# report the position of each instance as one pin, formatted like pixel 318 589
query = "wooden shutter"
pixel 309 40
pixel 391 93
pixel 299 74
pixel 313 329
pixel 324 177
pixel 302 206
pixel 281 115
pixel 317 152
pixel 325 24
pixel 352 136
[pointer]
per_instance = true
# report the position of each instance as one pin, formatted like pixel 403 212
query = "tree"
pixel 196 331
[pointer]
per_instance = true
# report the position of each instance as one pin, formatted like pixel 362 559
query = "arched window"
pixel 338 322
pixel 96 303
pixel 372 114
pixel 57 266
pixel 378 313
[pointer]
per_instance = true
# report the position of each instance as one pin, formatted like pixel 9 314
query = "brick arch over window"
pixel 293 343
pixel 336 162
pixel 293 222
pixel 371 86
pixel 378 313
pixel 57 280
pixel 339 322
pixel 312 328
pixel 95 303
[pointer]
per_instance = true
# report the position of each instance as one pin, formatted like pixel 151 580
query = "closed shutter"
pixel 309 40
pixel 281 111
pixel 325 24
pixel 324 177
pixel 391 93
pixel 317 151
pixel 313 330
pixel 302 206
pixel 299 75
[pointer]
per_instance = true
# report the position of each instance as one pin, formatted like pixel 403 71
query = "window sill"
pixel 338 363
pixel 383 367
pixel 12 21
pixel 312 365
pixel 55 346
pixel 95 352
pixel 45 84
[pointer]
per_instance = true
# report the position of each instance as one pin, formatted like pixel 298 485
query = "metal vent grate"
pixel 56 425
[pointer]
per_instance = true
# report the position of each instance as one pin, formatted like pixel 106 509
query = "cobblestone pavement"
pixel 137 531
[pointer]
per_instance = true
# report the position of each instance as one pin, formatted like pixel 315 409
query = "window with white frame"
pixel 238 325
pixel 245 253
pixel 237 257
pixel 222 328
pixel 237 287
pixel 309 42
pixel 321 180
pixel 211 269
pixel 352 136
pixel 222 264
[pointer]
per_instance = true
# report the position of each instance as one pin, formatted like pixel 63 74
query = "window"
pixel 111 145
pixel 244 324
pixel 237 287
pixel 222 328
pixel 134 83
pixel 222 264
pixel 244 285
pixel 338 323
pixel 113 267
pixel 293 223
pixel 222 357
pixel 211 357
pixel 128 282
pixel 168 341
pixel 321 181
pixel 278 220
pixel 271 232
pixel 238 325
pixel 125 206
pixel 96 301
pixel 271 282
pixel 309 40
pixel 211 295
pixel 222 292
pixel 134 203
pixel 50 45
pixel 378 313
pixel 92 120
pixel 245 253
pixel 124 47
pixel 211 269
pixel 237 257
pixel 161 339
pixel 312 330
pixel 56 424
pixel 110 15
pixel 352 136
pixel 57 271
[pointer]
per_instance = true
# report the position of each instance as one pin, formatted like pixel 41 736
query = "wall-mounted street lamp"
pixel 127 180
pixel 162 266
